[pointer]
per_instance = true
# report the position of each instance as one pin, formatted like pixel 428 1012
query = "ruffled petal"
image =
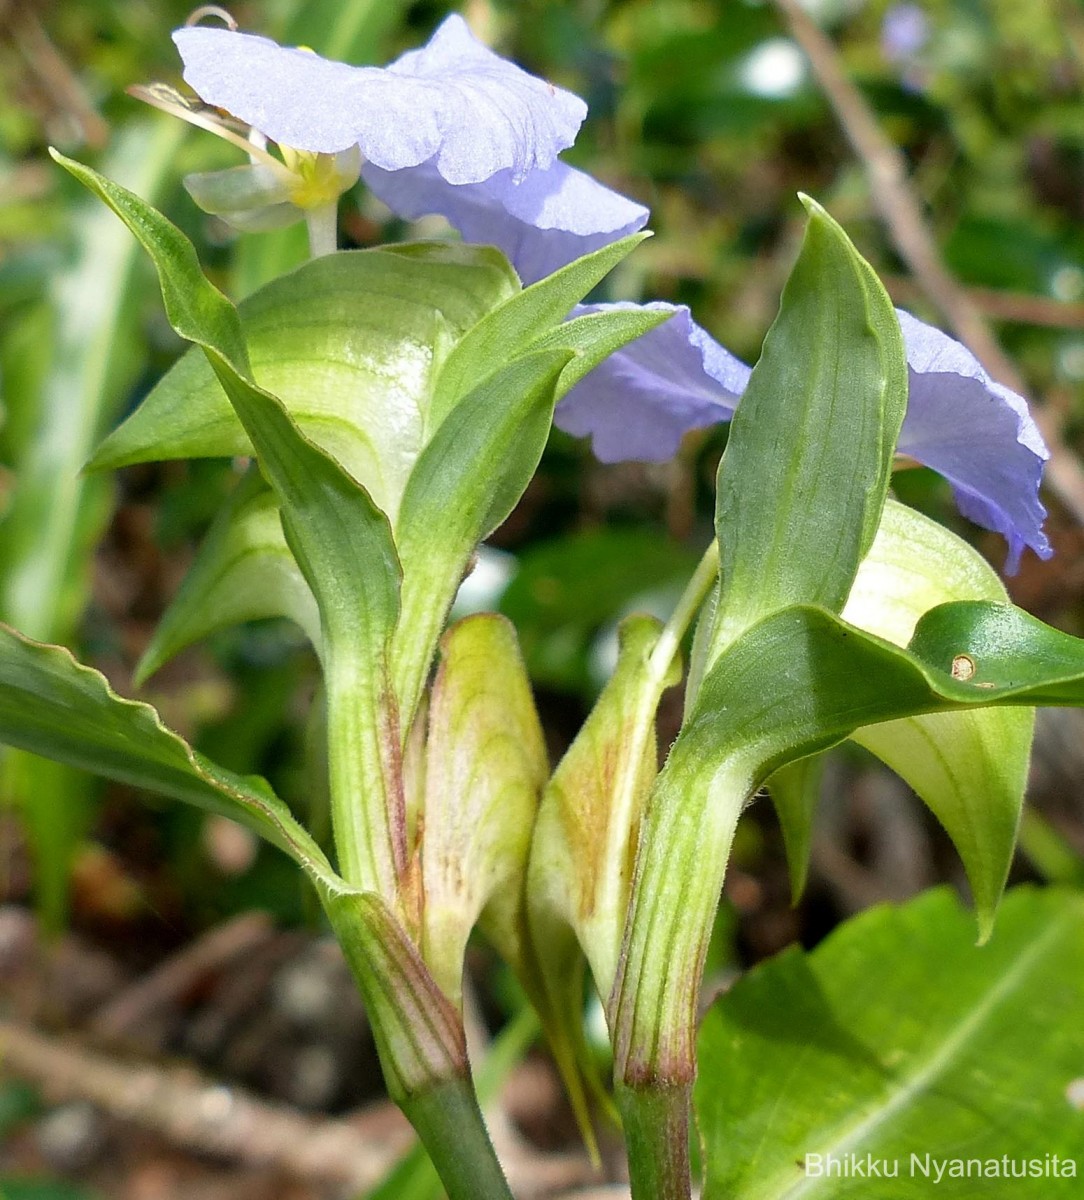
pixel 641 401
pixel 545 221
pixel 978 435
pixel 453 102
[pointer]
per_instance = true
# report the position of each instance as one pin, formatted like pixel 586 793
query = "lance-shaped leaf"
pixel 585 838
pixel 480 459
pixel 807 464
pixel 796 683
pixel 513 328
pixel 465 483
pixel 54 706
pixel 342 544
pixel 243 571
pixel 914 1045
pixel 969 767
pixel 485 766
pixel 352 343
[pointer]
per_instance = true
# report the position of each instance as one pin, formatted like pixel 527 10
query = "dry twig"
pixel 179 1104
pixel 212 952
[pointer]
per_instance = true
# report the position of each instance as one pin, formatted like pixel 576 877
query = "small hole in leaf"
pixel 963 667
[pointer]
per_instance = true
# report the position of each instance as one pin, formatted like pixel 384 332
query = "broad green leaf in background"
pixel 969 767
pixel 85 357
pixel 342 544
pixel 243 571
pixel 52 705
pixel 897 1037
pixel 803 478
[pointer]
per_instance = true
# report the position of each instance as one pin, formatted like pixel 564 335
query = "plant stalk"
pixel 323 227
pixel 452 1129
pixel 656 1120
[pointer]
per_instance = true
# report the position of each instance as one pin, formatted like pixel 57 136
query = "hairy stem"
pixel 656 1121
pixel 450 1125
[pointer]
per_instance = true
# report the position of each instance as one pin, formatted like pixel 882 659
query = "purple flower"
pixel 548 219
pixel 904 32
pixel 973 431
pixel 451 128
pixel 453 103
pixel 454 129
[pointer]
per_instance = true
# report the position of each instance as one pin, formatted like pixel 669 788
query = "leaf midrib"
pixel 856 1132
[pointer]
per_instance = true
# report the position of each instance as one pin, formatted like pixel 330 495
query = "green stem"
pixel 323 225
pixel 656 1120
pixel 452 1129
pixel 364 776
pixel 696 590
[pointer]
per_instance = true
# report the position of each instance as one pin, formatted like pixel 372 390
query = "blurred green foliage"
pixel 703 109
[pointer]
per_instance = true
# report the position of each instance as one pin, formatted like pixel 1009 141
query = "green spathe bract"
pixel 806 468
pixel 897 1036
pixel 352 343
pixel 242 571
pixel 969 767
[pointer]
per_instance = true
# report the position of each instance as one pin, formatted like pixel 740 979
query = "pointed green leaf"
pixel 796 683
pixel 351 342
pixel 807 464
pixel 595 337
pixel 795 790
pixel 585 839
pixel 243 571
pixel 56 707
pixel 464 484
pixel 513 328
pixel 969 767
pixel 486 763
pixel 917 1049
pixel 341 541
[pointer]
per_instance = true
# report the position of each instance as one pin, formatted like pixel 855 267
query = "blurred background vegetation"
pixel 707 111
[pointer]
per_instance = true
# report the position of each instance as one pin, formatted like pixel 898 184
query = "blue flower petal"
pixel 978 435
pixel 453 102
pixel 641 401
pixel 547 220
pixel 974 432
